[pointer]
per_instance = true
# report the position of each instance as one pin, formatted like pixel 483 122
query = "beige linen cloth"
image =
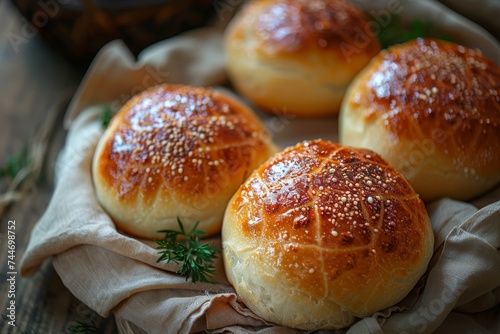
pixel 114 273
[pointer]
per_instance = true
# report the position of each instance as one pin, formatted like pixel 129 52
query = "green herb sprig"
pixel 196 258
pixel 84 328
pixel 398 31
pixel 15 163
pixel 106 116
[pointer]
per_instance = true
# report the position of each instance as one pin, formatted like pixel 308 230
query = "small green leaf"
pixel 106 116
pixel 15 163
pixel 84 328
pixel 397 31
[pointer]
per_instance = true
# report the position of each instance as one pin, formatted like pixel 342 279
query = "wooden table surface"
pixel 32 80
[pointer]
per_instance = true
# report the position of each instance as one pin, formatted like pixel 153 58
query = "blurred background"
pixel 78 29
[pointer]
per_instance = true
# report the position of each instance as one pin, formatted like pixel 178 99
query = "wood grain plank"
pixel 32 79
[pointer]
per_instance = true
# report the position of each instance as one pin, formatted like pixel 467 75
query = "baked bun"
pixel 297 56
pixel 321 234
pixel 176 151
pixel 432 109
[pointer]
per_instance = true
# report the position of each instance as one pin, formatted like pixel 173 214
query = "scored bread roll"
pixel 297 57
pixel 323 233
pixel 176 151
pixel 432 109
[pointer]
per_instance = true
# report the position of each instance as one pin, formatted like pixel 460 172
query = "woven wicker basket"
pixel 79 29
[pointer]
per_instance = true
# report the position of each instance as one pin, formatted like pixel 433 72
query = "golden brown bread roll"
pixel 176 151
pixel 297 56
pixel 432 109
pixel 323 233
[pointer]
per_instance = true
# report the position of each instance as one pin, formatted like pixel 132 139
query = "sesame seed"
pixel 370 199
pixel 335 233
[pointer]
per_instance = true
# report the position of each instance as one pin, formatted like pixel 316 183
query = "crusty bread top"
pixel 176 151
pixel 337 223
pixel 295 27
pixel 437 90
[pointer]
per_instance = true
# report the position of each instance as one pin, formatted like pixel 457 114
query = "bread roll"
pixel 321 234
pixel 432 109
pixel 173 152
pixel 297 57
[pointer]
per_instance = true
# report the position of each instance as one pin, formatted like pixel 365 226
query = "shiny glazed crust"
pixel 176 151
pixel 297 55
pixel 432 109
pixel 323 233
